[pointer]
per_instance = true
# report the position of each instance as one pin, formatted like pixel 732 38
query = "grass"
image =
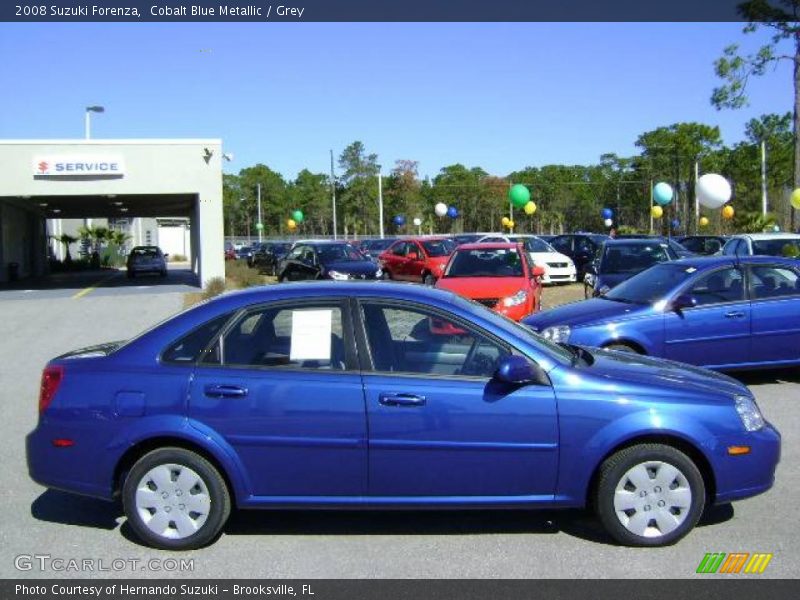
pixel 237 276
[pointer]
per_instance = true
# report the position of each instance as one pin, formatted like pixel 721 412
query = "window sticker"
pixel 311 335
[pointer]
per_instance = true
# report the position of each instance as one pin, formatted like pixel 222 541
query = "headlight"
pixel 515 300
pixel 559 333
pixel 379 273
pixel 338 276
pixel 749 413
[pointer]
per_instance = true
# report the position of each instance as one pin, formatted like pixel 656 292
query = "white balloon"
pixel 440 209
pixel 608 222
pixel 418 221
pixel 712 190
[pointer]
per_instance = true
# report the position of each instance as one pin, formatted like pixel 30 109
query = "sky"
pixel 499 96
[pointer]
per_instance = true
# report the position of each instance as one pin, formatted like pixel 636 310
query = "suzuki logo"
pixel 43 167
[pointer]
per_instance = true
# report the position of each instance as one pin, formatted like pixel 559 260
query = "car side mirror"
pixel 538 271
pixel 518 370
pixel 684 301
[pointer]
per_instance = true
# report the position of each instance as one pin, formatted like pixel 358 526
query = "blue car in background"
pixel 382 395
pixel 719 312
pixel 621 259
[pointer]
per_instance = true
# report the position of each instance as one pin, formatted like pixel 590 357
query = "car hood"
pixel 629 367
pixel 540 258
pixel 355 267
pixel 583 312
pixel 482 287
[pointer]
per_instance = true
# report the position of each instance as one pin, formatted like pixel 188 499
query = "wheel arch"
pixel 679 443
pixel 637 346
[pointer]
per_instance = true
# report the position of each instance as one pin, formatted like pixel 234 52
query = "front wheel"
pixel 428 279
pixel 649 495
pixel 175 499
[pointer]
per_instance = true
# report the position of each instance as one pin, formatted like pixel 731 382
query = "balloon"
pixel 440 209
pixel 776 228
pixel 656 211
pixel 511 224
pixel 399 220
pixel 519 195
pixel 662 193
pixel 703 222
pixel 259 226
pixel 298 216
pixel 452 212
pixel 675 224
pixel 530 208
pixel 505 221
pixel 796 199
pixel 608 222
pixel 607 213
pixel 712 190
pixel 417 221
pixel 728 212
pixel 291 224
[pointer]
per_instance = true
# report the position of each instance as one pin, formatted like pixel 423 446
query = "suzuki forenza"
pixel 347 395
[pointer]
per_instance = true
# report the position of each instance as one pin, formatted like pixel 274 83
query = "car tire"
pixel 160 472
pixel 163 273
pixel 428 279
pixel 131 274
pixel 386 276
pixel 649 495
pixel 623 348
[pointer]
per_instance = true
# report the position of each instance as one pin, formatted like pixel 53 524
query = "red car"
pixel 499 275
pixel 417 259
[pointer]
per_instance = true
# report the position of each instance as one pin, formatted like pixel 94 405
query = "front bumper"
pixel 750 474
pixel 559 275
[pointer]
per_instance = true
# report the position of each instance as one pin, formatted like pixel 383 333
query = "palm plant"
pixel 67 240
pixel 753 222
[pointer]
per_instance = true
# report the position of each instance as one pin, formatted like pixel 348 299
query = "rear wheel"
pixel 649 495
pixel 175 499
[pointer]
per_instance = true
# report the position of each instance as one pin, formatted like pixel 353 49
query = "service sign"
pixel 78 166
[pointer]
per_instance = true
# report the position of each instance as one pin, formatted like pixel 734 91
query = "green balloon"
pixel 519 195
pixel 298 216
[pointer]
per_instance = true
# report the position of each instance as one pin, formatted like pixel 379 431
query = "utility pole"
pixel 696 199
pixel 259 225
pixel 763 178
pixel 651 207
pixel 333 196
pixel 380 204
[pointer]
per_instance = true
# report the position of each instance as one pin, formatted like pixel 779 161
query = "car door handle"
pixel 225 391
pixel 401 400
pixel 735 314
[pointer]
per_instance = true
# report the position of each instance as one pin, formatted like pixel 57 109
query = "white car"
pixel 558 268
pixel 767 244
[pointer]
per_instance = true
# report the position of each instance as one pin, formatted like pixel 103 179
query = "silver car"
pixel 147 259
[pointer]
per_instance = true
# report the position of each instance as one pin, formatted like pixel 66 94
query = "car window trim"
pixel 162 361
pixel 690 284
pixel 751 266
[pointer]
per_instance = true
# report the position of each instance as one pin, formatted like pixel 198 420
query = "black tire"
pixel 218 493
pixel 131 274
pixel 386 275
pixel 623 348
pixel 615 468
pixel 428 279
pixel 164 273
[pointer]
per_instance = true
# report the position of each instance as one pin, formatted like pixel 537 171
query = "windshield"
pixel 379 244
pixel 631 258
pixel 651 285
pixel 493 262
pixel 439 247
pixel 780 247
pixel 339 253
pixel 537 245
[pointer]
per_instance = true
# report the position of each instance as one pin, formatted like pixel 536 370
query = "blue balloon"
pixel 676 224
pixel 399 220
pixel 662 193
pixel 452 212
pixel 607 213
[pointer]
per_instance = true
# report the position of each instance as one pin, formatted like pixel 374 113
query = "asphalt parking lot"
pixel 38 325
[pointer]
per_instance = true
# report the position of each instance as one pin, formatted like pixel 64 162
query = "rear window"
pixel 145 252
pixel 439 247
pixel 779 247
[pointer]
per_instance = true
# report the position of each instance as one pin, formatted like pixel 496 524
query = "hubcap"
pixel 172 501
pixel 652 499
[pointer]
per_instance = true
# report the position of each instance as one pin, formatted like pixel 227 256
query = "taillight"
pixel 51 379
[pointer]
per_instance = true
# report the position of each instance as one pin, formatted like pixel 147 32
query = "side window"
pixel 741 248
pixel 726 285
pixel 561 244
pixel 187 350
pixel 295 253
pixel 310 337
pixel 773 282
pixel 411 340
pixel 729 249
pixel 399 249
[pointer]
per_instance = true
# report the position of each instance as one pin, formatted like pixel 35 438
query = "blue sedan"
pixel 379 395
pixel 717 312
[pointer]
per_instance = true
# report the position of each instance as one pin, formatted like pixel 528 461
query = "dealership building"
pixel 159 192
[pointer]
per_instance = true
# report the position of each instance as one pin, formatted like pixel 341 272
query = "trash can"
pixel 13 271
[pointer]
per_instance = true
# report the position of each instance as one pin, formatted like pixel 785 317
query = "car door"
pixel 439 424
pixel 413 267
pixel 775 298
pixel 281 385
pixel 715 331
pixel 395 260
pixel 289 264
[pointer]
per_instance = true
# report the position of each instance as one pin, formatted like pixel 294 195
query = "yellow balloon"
pixel 728 212
pixel 657 212
pixel 511 224
pixel 530 208
pixel 796 199
pixel 505 221
pixel 703 222
pixel 291 224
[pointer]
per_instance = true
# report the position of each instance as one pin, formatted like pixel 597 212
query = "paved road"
pixel 347 544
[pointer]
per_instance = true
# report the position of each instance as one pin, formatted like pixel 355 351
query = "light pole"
pixel 87 119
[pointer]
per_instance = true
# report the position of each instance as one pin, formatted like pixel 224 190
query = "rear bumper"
pixel 750 474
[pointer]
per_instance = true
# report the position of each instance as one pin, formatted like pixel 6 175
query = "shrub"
pixel 214 287
pixel 242 276
pixel 177 258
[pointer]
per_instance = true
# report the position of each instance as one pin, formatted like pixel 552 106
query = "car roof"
pixel 768 236
pixel 706 262
pixel 635 241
